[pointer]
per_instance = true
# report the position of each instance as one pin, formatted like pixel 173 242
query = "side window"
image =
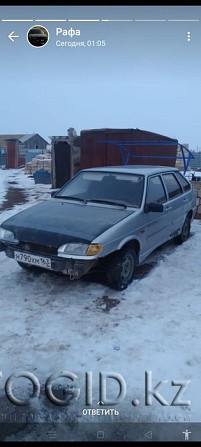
pixel 183 182
pixel 155 191
pixel 172 185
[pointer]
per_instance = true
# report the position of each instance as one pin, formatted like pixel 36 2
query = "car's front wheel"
pixel 121 268
pixel 185 232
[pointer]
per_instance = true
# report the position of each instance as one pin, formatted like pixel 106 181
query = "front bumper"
pixel 75 268
pixel 37 40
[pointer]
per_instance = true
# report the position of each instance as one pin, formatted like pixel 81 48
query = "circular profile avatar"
pixel 38 36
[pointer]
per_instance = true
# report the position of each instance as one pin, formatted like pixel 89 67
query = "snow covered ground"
pixel 50 324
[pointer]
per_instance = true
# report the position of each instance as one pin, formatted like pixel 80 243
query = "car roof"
pixel 134 169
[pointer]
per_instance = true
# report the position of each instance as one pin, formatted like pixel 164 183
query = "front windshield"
pixel 97 186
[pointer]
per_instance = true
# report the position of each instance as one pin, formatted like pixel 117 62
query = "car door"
pixel 157 223
pixel 176 202
pixel 189 196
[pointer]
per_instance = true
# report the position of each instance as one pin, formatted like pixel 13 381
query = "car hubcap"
pixel 127 268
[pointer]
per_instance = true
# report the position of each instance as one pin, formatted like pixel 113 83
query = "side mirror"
pixel 54 192
pixel 154 207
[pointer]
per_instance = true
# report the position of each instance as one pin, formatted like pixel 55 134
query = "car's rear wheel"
pixel 185 232
pixel 121 268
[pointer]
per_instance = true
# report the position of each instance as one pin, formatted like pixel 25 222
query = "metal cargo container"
pixel 65 159
pixel 61 163
pixel 113 147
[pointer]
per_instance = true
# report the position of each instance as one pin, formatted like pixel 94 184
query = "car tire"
pixel 121 268
pixel 185 232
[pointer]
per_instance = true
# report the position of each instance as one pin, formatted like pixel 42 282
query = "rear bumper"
pixel 195 209
pixel 72 267
pixel 35 40
pixel 195 203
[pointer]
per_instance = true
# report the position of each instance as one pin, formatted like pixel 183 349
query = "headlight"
pixel 73 249
pixel 7 236
pixel 80 249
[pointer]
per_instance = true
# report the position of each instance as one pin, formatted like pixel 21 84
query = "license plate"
pixel 39 261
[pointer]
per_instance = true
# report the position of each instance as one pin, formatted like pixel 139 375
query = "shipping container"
pixel 65 159
pixel 114 147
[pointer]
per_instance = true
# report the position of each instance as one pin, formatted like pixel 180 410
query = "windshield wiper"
pixel 108 202
pixel 72 198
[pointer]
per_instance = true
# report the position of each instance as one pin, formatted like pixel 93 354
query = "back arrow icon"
pixel 11 36
pixel 148 435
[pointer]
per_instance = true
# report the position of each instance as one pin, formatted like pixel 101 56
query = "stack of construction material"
pixel 42 161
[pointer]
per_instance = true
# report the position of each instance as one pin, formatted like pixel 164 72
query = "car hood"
pixel 55 222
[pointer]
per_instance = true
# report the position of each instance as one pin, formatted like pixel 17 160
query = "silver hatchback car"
pixel 110 216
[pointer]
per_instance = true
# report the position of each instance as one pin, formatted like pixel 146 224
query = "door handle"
pixel 168 208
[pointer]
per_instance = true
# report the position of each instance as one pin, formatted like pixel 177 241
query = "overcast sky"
pixel 147 76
